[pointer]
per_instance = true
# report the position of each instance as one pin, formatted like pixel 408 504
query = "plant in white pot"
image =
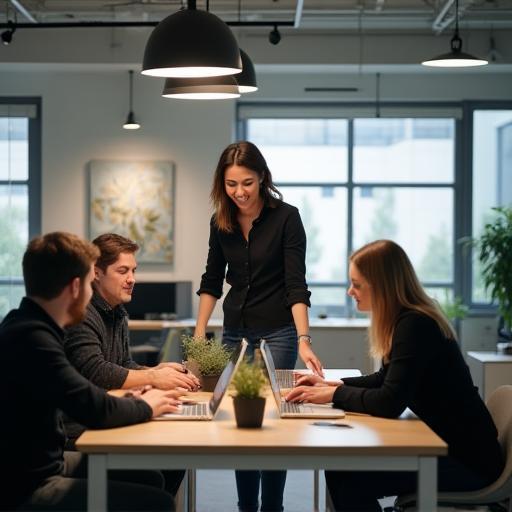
pixel 249 383
pixel 206 359
pixel 495 254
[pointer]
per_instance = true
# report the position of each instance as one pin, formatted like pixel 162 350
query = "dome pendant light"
pixel 191 43
pixel 131 124
pixel 455 58
pixel 246 80
pixel 201 88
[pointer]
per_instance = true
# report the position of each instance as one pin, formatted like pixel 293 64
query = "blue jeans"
pixel 282 342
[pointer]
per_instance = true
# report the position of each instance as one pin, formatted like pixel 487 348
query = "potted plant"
pixel 205 358
pixel 495 255
pixel 249 382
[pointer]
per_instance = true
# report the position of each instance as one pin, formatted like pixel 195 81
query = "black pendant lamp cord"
pixel 456 42
pixel 191 5
pixel 131 90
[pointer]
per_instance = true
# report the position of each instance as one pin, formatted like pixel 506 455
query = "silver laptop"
pixel 294 410
pixel 207 410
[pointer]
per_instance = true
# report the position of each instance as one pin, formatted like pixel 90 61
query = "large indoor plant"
pixel 249 382
pixel 206 358
pixel 495 254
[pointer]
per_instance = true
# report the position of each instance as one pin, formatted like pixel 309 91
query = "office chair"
pixel 500 407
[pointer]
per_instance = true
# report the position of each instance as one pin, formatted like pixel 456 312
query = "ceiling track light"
pixel 191 43
pixel 7 34
pixel 275 36
pixel 131 123
pixel 455 58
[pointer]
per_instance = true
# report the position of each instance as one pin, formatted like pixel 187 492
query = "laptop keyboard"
pixel 285 378
pixel 291 407
pixel 199 409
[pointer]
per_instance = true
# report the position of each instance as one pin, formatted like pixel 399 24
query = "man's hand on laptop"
pixel 311 394
pixel 169 378
pixel 160 401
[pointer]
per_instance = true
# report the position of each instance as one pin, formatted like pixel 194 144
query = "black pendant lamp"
pixel 455 58
pixel 131 124
pixel 201 88
pixel 191 43
pixel 247 78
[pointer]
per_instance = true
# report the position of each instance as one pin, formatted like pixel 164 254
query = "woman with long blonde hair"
pixel 423 369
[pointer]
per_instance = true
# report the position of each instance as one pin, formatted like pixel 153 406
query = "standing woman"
pixel 423 369
pixel 262 241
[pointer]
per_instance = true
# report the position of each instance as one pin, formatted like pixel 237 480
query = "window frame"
pixel 33 182
pixel 460 185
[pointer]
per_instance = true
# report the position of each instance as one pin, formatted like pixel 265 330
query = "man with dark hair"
pixel 99 346
pixel 58 269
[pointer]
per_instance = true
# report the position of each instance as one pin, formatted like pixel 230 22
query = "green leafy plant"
pixel 249 380
pixel 495 254
pixel 210 356
pixel 454 309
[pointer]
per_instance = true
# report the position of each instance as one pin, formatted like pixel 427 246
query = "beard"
pixel 77 309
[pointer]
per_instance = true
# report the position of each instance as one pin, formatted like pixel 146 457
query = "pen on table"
pixel 331 424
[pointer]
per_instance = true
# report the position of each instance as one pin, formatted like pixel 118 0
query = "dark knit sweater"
pixel 99 347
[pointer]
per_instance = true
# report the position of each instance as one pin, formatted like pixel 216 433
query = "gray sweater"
pixel 99 346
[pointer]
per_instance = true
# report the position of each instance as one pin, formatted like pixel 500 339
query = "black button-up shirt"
pixel 266 272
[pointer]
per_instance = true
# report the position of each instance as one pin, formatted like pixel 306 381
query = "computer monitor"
pixel 160 301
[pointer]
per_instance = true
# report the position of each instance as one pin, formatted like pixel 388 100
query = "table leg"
pixel 191 490
pixel 427 484
pixel 316 490
pixel 97 483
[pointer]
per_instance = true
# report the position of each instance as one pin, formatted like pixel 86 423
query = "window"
pixel 492 177
pixel 19 194
pixel 359 179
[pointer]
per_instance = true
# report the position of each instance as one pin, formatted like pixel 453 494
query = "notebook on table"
pixel 294 410
pixel 206 410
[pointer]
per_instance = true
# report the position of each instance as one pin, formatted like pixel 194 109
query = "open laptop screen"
pixel 271 370
pixel 225 377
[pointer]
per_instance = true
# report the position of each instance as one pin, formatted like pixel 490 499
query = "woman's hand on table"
pixel 309 358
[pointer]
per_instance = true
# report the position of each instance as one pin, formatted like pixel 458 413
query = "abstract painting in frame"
pixel 136 200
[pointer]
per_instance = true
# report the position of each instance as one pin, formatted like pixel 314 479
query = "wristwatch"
pixel 307 337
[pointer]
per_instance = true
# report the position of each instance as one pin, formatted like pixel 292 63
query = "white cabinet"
pixel 489 371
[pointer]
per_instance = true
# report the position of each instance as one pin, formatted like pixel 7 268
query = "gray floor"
pixel 216 491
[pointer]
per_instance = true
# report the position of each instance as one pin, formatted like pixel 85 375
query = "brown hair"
pixel 245 154
pixel 394 286
pixel 53 260
pixel 111 246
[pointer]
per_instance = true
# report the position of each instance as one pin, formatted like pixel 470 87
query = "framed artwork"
pixel 136 200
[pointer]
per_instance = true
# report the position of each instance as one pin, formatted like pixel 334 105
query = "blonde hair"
pixel 394 286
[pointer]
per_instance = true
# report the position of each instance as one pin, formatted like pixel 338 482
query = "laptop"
pixel 205 411
pixel 294 410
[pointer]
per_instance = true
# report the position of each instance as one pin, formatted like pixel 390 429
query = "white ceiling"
pixel 375 15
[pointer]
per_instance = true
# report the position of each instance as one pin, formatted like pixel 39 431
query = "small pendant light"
pixel 131 124
pixel 201 88
pixel 246 80
pixel 455 58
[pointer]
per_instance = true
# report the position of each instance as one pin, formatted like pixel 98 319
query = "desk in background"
pixel 372 443
pixel 336 341
pixel 489 370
